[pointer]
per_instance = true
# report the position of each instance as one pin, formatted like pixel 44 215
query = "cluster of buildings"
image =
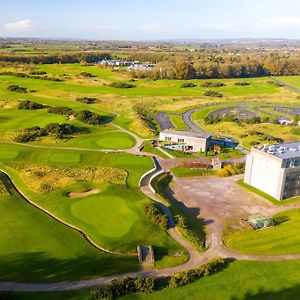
pixel 273 169
pixel 131 65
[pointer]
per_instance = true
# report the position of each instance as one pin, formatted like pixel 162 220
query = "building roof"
pixel 201 135
pixel 282 151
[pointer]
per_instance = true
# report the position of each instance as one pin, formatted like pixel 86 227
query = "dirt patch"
pixel 71 117
pixel 83 194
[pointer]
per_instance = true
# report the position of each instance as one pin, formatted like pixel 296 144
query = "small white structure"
pixel 275 169
pixel 185 140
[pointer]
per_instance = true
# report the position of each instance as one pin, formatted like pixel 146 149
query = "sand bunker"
pixel 83 194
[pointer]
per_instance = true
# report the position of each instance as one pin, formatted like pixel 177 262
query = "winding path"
pixel 216 248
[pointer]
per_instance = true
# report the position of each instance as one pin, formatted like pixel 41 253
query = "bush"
pixel 60 110
pixel 17 89
pixel 88 117
pixel 156 216
pixel 188 85
pixel 223 173
pixel 30 105
pixel 128 285
pixel 59 130
pixel 87 100
pixel 186 277
pixel 189 234
pixel 241 83
pixel 86 74
pixel 212 84
pixel 38 73
pixel 213 94
pixel 122 85
pixel 230 169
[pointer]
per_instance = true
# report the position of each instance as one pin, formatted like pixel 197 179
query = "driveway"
pixel 219 201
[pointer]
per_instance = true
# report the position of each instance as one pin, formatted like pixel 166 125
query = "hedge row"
pixel 156 216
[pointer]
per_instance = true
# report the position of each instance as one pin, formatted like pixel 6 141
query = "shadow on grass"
pixel 38 267
pixel 263 294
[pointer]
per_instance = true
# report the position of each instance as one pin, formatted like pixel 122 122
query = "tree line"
pixel 63 58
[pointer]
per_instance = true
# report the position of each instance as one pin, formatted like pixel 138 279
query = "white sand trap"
pixel 83 194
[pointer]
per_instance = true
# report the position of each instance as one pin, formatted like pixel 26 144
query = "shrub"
pixel 189 234
pixel 122 85
pixel 213 94
pixel 30 105
pixel 59 130
pixel 223 173
pixel 17 89
pixel 186 277
pixel 87 100
pixel 188 85
pixel 88 117
pixel 38 73
pixel 231 170
pixel 60 110
pixel 240 168
pixel 86 74
pixel 241 83
pixel 212 84
pixel 120 287
pixel 156 216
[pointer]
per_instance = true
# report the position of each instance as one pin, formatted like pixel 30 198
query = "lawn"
pixel 190 172
pixel 266 196
pixel 38 248
pixel 241 280
pixel 178 122
pixel 283 238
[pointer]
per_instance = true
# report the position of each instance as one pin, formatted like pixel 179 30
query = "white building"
pixel 275 170
pixel 185 140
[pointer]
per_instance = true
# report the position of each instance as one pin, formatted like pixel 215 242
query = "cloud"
pixel 19 26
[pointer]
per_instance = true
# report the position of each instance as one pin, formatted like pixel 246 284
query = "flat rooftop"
pixel 283 151
pixel 201 135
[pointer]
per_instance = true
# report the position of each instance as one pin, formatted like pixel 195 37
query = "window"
pixel 180 140
pixel 168 138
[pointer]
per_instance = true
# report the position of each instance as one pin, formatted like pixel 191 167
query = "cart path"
pixel 196 259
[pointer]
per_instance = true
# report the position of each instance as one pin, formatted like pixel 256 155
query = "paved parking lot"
pixel 219 200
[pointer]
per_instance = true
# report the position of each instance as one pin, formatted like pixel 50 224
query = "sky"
pixel 150 19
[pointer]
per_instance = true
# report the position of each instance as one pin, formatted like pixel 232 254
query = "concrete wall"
pixel 264 172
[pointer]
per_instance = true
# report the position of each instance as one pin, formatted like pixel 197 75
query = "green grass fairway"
pixel 110 215
pixel 115 140
pixel 64 158
pixel 38 248
pixel 8 154
pixel 282 239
